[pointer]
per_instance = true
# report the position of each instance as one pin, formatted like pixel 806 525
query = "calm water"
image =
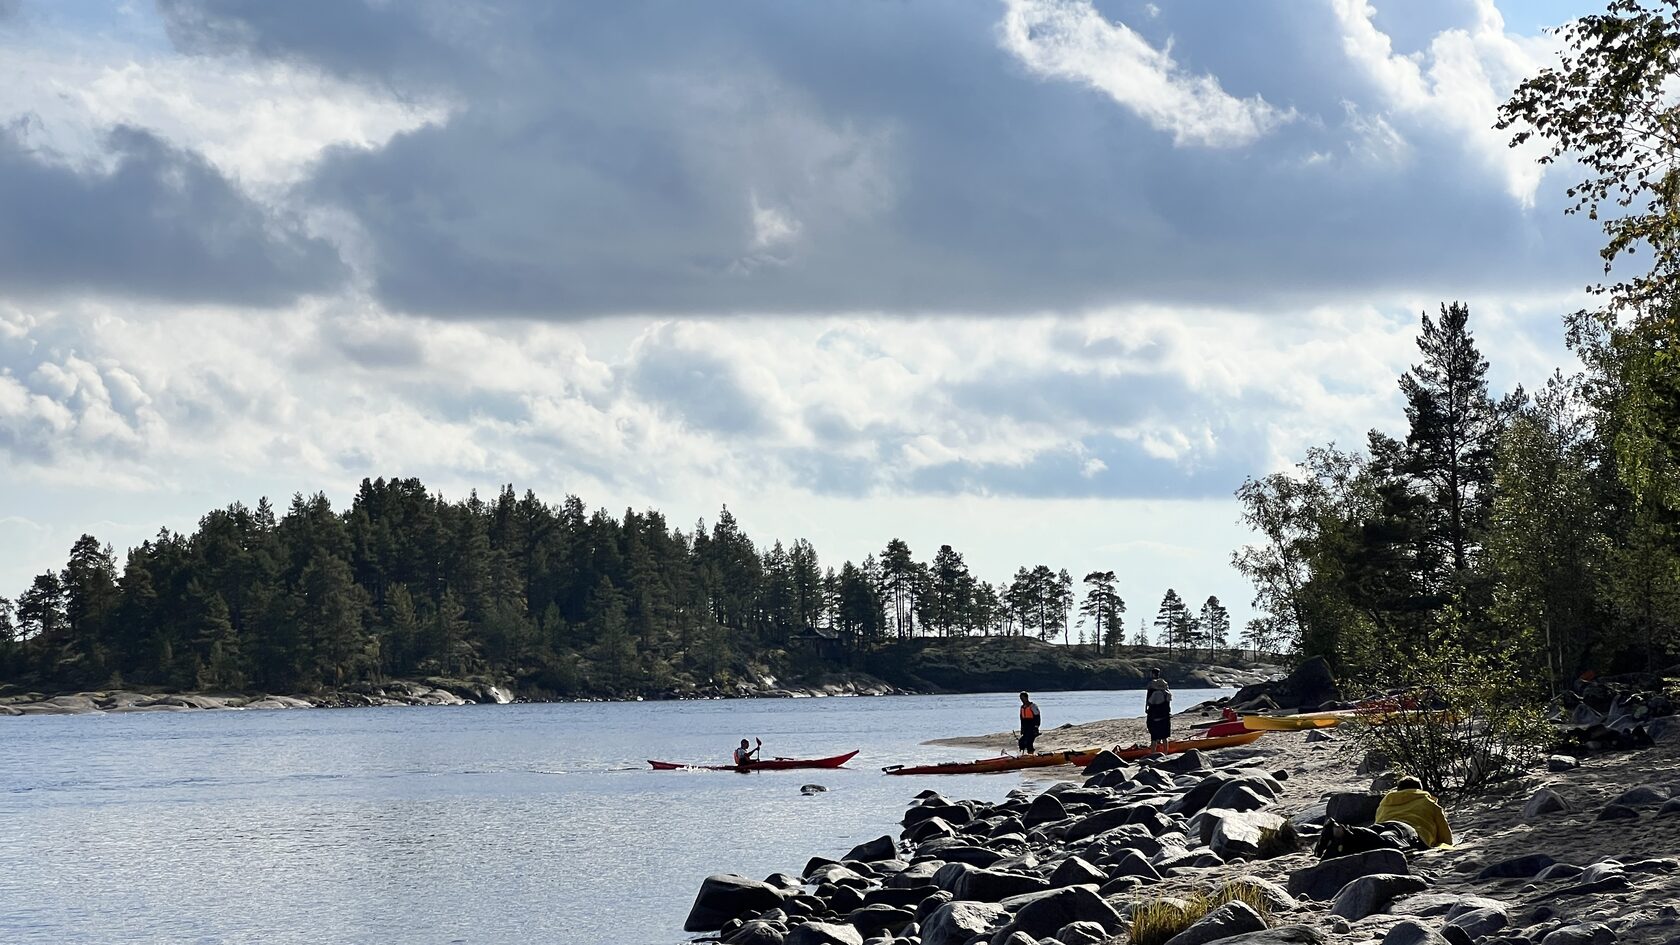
pixel 479 824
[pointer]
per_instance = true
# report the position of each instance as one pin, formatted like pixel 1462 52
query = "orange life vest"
pixel 1029 711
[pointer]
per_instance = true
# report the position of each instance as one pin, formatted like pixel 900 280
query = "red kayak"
pixel 769 764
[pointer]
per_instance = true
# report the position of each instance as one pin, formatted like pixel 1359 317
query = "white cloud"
pixel 1070 39
pixel 1458 86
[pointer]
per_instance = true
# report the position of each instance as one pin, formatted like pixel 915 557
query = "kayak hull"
pixel 768 764
pixel 1081 758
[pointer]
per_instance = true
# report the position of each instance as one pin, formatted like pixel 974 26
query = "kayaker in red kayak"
pixel 1029 723
pixel 744 755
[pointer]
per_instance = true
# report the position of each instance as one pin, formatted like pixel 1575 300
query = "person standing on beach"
pixel 1029 723
pixel 1157 711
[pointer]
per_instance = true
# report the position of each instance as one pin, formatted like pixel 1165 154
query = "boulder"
pixel 1310 685
pixel 1132 863
pixel 950 813
pixel 897 896
pixel 1041 914
pixel 1520 867
pixel 1669 807
pixel 1082 933
pixel 1542 802
pixel 967 853
pixel 1044 809
pixel 1277 899
pixel 1245 835
pixel 993 885
pixel 955 923
pixel 724 896
pixel 1557 763
pixel 880 848
pixel 1184 762
pixel 1559 871
pixel 1319 735
pixel 1582 933
pixel 877 918
pixel 1352 807
pixel 916 874
pixel 1617 812
pixel 824 933
pixel 1412 932
pixel 1198 796
pixel 758 932
pixel 1283 935
pixel 1238 796
pixel 1642 796
pixel 1097 823
pixel 1477 923
pixel 1368 895
pixel 1232 918
pixel 1105 761
pixel 1442 904
pixel 931 829
pixel 1327 878
pixel 1074 871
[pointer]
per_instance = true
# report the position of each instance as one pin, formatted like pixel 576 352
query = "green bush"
pixel 1466 720
pixel 1154 921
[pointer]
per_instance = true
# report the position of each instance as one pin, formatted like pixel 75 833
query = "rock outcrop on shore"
pixel 1221 842
pixel 436 691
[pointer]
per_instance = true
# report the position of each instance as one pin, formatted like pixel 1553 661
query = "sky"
pixel 1043 280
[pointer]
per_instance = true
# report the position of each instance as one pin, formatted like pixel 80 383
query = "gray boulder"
pixel 874 919
pixel 1232 918
pixel 1368 895
pixel 1099 822
pixel 993 885
pixel 880 848
pixel 955 923
pixel 1082 933
pixel 1478 923
pixel 725 896
pixel 1105 761
pixel 1520 867
pixel 1074 871
pixel 1198 796
pixel 1041 914
pixel 1617 812
pixel 1412 932
pixel 1132 863
pixel 1277 899
pixel 758 932
pixel 1559 871
pixel 1044 809
pixel 1582 933
pixel 824 933
pixel 950 813
pixel 1238 796
pixel 1642 796
pixel 1284 935
pixel 1442 904
pixel 1183 762
pixel 1557 763
pixel 1242 835
pixel 1542 802
pixel 1326 879
pixel 1353 807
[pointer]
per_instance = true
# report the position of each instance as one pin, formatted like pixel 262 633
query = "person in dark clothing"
pixel 1029 723
pixel 1157 711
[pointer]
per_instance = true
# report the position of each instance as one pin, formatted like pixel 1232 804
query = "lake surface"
pixel 479 824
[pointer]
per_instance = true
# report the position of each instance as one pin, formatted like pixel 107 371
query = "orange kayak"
pixel 1043 759
pixel 1173 748
pixel 1081 757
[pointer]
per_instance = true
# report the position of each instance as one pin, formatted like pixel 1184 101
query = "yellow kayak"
pixel 1291 723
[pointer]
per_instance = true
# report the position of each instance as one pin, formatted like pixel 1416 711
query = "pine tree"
pixel 1216 626
pixel 1103 607
pixel 1172 621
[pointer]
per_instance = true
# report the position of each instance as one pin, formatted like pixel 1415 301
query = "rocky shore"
pixel 1217 848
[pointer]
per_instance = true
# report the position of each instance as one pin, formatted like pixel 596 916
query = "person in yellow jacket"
pixel 1411 805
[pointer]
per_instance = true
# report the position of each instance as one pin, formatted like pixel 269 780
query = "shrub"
pixel 1461 721
pixel 1155 921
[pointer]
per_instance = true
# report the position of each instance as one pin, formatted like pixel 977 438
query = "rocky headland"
pixel 1217 847
pixel 916 667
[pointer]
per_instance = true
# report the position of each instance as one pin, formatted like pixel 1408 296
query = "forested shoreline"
pixel 557 599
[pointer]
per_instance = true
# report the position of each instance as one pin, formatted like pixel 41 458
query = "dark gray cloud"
pixel 644 157
pixel 161 222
